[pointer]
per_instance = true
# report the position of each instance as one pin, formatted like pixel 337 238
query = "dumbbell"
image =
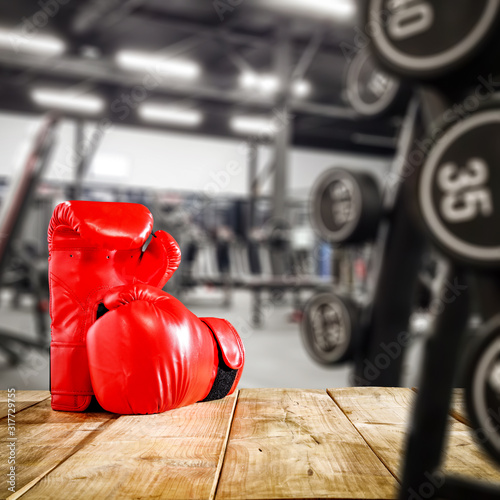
pixel 346 207
pixel 428 40
pixel 482 392
pixel 371 91
pixel 329 328
pixel 458 185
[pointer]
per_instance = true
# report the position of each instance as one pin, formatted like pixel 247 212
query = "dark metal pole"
pixel 380 360
pixel 253 161
pixel 283 65
pixel 75 190
pixel 457 488
pixel 395 263
pixel 427 432
pixel 84 154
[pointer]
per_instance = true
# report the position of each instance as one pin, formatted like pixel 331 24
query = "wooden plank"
pixel 25 395
pixel 173 455
pixel 298 444
pixel 458 410
pixel 381 415
pixel 222 454
pixel 23 400
pixel 45 438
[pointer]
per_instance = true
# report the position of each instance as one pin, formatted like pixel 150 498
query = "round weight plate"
pixel 345 206
pixel 459 189
pixel 327 328
pixel 428 39
pixel 483 389
pixel 370 90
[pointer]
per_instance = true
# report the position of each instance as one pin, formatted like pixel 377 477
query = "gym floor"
pixel 275 356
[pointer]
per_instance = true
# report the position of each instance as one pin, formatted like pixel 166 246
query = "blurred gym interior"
pixel 262 136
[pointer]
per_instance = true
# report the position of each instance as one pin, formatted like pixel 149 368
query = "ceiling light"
pixel 336 9
pixel 142 61
pixel 254 125
pixel 249 80
pixel 301 88
pixel 31 43
pixel 159 113
pixel 57 99
pixel 267 84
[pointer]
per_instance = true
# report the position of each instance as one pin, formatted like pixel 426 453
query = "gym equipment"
pixel 231 256
pixel 459 187
pixel 483 387
pixel 329 327
pixel 453 172
pixel 428 40
pixel 12 216
pixel 148 354
pixel 372 91
pixel 346 207
pixel 457 196
pixel 16 203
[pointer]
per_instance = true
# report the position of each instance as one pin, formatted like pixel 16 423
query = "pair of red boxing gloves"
pixel 115 333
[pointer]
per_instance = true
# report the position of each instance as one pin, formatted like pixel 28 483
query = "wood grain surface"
pixel 298 444
pixel 258 444
pixel 45 438
pixel 381 415
pixel 171 455
pixel 23 400
pixel 458 407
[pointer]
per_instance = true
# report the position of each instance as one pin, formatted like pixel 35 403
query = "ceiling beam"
pixel 220 31
pixel 97 14
pixel 94 73
pixel 224 31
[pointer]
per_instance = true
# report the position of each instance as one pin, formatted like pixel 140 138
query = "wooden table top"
pixel 256 444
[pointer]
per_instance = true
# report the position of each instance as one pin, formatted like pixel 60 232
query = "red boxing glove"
pixel 149 354
pixel 93 247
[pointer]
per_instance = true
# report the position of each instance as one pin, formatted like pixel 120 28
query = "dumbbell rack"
pixel 449 49
pixel 427 433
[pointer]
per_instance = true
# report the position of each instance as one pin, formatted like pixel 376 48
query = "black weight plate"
pixel 482 392
pixel 346 206
pixel 428 39
pixel 459 188
pixel 370 90
pixel 328 328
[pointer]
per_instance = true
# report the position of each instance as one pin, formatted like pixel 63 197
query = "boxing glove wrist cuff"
pixel 231 358
pixel 224 380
